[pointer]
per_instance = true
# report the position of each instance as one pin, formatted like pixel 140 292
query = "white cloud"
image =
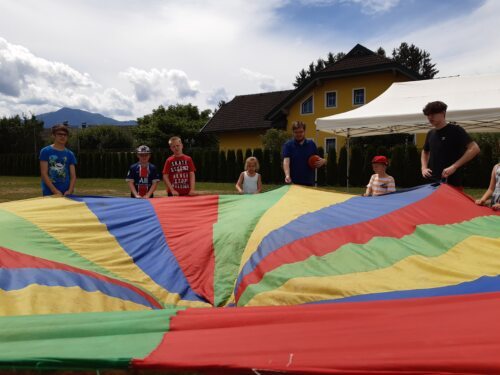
pixel 21 71
pixel 217 95
pixel 157 83
pixel 466 45
pixel 146 84
pixel 31 84
pixel 367 6
pixel 375 6
pixel 184 87
pixel 139 55
pixel 265 82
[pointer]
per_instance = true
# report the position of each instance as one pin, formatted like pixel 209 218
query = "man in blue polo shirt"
pixel 296 154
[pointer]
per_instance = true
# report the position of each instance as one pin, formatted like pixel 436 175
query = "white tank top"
pixel 250 183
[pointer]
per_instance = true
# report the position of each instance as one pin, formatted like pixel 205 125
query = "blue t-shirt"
pixel 58 163
pixel 299 154
pixel 143 177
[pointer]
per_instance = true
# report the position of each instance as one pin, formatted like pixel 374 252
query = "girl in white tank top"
pixel 249 181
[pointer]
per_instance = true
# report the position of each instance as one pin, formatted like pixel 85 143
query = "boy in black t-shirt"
pixel 447 147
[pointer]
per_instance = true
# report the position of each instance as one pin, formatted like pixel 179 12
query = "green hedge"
pixel 220 166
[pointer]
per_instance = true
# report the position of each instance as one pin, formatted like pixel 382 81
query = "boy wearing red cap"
pixel 380 182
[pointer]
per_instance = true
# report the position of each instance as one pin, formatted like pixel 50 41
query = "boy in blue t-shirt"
pixel 57 164
pixel 142 177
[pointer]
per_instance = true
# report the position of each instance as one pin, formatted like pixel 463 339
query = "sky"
pixel 124 58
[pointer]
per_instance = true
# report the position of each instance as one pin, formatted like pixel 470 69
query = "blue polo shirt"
pixel 299 154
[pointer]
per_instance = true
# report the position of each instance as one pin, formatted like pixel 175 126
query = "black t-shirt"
pixel 446 146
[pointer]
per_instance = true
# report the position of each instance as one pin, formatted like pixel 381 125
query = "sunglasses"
pixel 62 134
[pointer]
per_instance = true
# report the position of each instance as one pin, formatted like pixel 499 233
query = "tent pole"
pixel 348 159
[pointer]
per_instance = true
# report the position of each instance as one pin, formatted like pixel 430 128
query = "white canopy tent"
pixel 473 102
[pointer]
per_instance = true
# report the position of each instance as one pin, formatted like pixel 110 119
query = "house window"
pixel 358 96
pixel 330 143
pixel 331 99
pixel 307 106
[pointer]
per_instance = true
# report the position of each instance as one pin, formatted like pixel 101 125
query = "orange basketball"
pixel 312 161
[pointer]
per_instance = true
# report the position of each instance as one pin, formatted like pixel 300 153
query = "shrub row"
pixel 220 166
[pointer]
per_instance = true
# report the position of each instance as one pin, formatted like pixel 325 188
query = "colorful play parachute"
pixel 296 280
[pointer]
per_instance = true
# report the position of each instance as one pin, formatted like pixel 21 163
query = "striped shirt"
pixel 381 185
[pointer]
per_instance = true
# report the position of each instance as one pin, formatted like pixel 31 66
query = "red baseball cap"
pixel 380 159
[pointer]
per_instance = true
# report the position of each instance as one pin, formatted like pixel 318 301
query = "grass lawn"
pixel 15 188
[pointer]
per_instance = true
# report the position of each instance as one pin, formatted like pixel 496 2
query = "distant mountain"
pixel 75 117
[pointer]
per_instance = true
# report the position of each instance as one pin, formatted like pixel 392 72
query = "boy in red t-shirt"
pixel 178 172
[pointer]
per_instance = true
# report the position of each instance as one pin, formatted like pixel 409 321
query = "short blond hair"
pixel 298 124
pixel 172 139
pixel 254 159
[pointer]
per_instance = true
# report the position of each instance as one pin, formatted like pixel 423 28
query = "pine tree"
pixel 222 167
pixel 415 59
pixel 321 172
pixel 331 167
pixel 370 152
pixel 342 167
pixel 397 165
pixel 231 166
pixel 412 175
pixel 356 166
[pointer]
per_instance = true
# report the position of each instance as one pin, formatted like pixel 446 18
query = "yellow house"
pixel 354 80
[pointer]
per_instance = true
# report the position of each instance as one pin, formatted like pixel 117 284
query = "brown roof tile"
pixel 358 57
pixel 245 112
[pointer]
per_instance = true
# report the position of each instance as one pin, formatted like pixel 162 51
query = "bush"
pixel 412 175
pixel 248 153
pixel 486 163
pixel 274 139
pixel 321 172
pixel 342 167
pixel 356 166
pixel 277 171
pixel 231 171
pixel 331 167
pixel 214 166
pixel 370 152
pixel 102 138
pixel 240 163
pixel 266 167
pixel 198 163
pixel 397 165
pixel 222 167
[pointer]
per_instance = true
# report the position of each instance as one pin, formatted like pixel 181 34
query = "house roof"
pixel 358 57
pixel 245 112
pixel 359 60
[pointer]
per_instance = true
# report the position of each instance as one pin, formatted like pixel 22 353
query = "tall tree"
pixel 273 139
pixel 102 138
pixel 410 56
pixel 320 65
pixel 313 68
pixel 20 134
pixel 415 59
pixel 183 120
pixel 381 51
